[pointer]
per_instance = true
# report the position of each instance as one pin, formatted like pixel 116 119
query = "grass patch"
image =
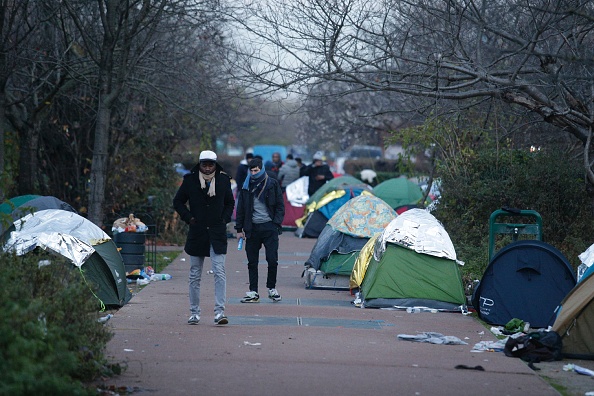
pixel 166 258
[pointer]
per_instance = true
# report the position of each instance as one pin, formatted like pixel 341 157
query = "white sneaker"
pixel 251 297
pixel 194 319
pixel 221 319
pixel 273 295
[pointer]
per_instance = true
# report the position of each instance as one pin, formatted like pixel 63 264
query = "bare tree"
pixel 338 115
pixel 535 55
pixel 29 80
pixel 123 47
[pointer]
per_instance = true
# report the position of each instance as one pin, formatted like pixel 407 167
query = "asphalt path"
pixel 313 342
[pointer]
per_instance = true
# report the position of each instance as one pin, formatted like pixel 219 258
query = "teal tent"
pixel 398 191
pixel 25 204
pixel 338 183
pixel 13 203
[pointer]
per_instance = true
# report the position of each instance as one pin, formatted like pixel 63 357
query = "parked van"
pixel 266 150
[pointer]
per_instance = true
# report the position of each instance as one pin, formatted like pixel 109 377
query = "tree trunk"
pixel 100 162
pixel 28 166
pixel 3 123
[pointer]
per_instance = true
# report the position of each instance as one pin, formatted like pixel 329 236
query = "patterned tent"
pixel 322 205
pixel 363 216
pixel 344 236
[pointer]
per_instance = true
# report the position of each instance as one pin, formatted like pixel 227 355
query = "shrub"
pixel 50 340
pixel 549 182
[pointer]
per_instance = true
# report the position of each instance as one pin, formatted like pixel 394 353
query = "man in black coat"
pixel 318 172
pixel 259 218
pixel 207 190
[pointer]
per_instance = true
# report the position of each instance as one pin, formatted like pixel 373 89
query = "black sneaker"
pixel 251 297
pixel 221 319
pixel 194 319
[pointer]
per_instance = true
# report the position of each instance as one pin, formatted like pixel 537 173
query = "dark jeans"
pixel 262 234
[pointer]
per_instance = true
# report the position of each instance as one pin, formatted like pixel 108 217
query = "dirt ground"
pixel 567 383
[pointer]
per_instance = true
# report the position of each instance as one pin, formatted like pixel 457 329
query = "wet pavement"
pixel 313 342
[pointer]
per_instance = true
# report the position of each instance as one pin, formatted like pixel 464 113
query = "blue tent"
pixel 527 280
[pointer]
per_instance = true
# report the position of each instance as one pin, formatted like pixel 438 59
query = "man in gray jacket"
pixel 289 172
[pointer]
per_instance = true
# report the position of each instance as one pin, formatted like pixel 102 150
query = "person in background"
pixel 260 212
pixel 318 172
pixel 289 172
pixel 299 162
pixel 207 191
pixel 242 170
pixel 273 167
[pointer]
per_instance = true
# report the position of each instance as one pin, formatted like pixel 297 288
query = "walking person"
pixel 274 166
pixel 259 217
pixel 207 190
pixel 289 172
pixel 242 170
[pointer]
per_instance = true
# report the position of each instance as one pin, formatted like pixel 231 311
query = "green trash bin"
pixel 513 229
pixel 132 249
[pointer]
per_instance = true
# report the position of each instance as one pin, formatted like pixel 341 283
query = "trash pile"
pixel 530 345
pixel 128 224
pixel 145 276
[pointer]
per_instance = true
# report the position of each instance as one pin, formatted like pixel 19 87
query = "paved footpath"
pixel 314 342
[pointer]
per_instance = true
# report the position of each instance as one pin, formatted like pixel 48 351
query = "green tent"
pixel 80 242
pixel 361 217
pixel 398 192
pixel 405 278
pixel 413 264
pixel 339 263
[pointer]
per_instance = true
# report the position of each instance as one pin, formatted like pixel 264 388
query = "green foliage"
pixel 480 174
pixel 489 177
pixel 50 340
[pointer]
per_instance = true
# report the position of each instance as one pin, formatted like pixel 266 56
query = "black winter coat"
pixel 273 201
pixel 313 171
pixel 211 213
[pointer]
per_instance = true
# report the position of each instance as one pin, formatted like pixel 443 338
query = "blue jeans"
pixel 220 279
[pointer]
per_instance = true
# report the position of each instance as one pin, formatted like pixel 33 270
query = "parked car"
pixel 361 151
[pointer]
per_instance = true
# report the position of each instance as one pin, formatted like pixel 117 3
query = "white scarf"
pixel 207 178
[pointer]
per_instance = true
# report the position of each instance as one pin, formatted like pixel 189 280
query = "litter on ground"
pixel 433 338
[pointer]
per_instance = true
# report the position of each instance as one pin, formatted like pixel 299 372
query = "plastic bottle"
pixel 156 277
pixel 580 271
pixel 240 244
pixel 105 318
pixel 413 310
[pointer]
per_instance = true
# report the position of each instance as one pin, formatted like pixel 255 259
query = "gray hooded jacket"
pixel 288 173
